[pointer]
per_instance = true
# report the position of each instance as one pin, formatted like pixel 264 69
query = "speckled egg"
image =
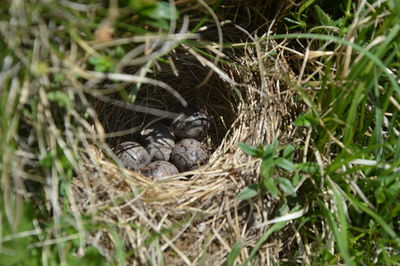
pixel 132 155
pixel 189 154
pixel 193 123
pixel 159 141
pixel 159 170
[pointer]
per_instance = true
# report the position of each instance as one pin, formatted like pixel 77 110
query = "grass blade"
pixel 263 238
pixel 235 252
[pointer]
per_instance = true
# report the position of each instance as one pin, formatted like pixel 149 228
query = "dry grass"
pixel 196 215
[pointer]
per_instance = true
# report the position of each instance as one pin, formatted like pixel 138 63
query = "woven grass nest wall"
pixel 195 216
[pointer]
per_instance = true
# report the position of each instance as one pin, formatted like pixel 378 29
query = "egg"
pixel 189 154
pixel 132 155
pixel 159 169
pixel 159 141
pixel 193 123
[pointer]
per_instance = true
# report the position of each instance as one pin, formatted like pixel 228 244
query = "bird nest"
pixel 195 216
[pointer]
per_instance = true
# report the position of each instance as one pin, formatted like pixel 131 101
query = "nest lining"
pixel 202 210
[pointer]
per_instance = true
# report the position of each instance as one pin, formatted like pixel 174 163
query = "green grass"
pixel 347 110
pixel 343 184
pixel 355 193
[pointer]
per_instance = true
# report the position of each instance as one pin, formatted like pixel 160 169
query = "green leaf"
pixel 324 18
pixel 288 152
pixel 380 195
pixel 267 167
pixel 237 247
pixel 270 186
pixel 308 167
pixel 305 6
pixel 271 150
pixel 61 98
pixel 305 120
pixel 248 192
pixel 162 10
pixel 285 164
pixel 254 152
pixel 394 189
pixel 268 152
pixel 296 179
pixel 142 4
pixel 101 64
pixel 286 186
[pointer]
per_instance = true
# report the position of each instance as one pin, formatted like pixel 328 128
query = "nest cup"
pixel 255 110
pixel 220 104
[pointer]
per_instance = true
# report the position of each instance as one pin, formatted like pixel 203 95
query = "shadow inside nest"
pixel 216 97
